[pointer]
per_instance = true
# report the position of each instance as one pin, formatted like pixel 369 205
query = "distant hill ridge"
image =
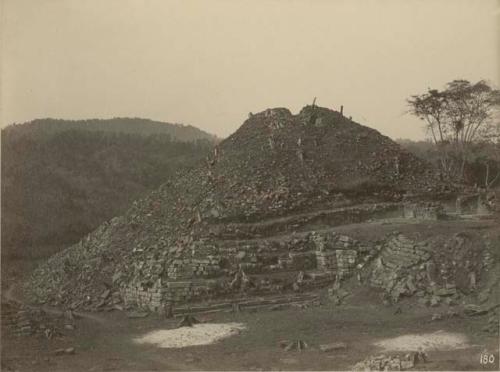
pixel 40 128
pixel 62 178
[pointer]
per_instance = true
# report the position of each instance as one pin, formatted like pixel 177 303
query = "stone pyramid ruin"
pixel 254 219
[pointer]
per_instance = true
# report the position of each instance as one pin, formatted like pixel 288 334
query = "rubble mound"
pixel 436 269
pixel 212 231
pixel 391 362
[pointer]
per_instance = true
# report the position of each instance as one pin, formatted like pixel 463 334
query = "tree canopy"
pixel 457 117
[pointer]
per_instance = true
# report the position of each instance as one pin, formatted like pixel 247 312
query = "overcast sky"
pixel 209 63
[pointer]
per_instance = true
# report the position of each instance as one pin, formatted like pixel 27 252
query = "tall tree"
pixel 456 118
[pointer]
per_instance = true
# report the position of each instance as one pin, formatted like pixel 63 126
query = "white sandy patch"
pixel 198 334
pixel 439 340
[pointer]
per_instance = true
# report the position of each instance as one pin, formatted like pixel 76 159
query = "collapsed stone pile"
pixel 278 174
pixel 493 323
pixel 84 273
pixel 437 270
pixel 391 362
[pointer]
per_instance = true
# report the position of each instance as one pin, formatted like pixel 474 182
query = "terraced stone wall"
pixel 194 267
pixel 148 298
pixel 247 268
pixel 155 298
pixel 336 253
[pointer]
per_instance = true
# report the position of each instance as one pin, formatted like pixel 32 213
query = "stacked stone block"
pixel 327 260
pixel 346 260
pixel 423 211
pixel 335 253
pixel 403 252
pixel 206 267
pixel 268 265
pixel 184 291
pixel 144 297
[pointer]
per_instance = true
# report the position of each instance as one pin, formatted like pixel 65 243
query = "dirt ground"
pixel 105 342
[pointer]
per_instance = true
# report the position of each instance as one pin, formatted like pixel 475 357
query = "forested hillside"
pixel 62 179
pixel 43 128
pixel 481 167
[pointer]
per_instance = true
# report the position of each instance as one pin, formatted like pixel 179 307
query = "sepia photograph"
pixel 237 185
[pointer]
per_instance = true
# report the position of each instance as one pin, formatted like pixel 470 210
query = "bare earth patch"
pixel 439 340
pixel 198 334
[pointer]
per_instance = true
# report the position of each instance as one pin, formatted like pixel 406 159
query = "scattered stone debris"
pixel 295 345
pixel 493 325
pixel 137 314
pixel 475 310
pixel 391 363
pixel 67 351
pixel 190 358
pixel 447 315
pixel 335 346
pixel 436 316
pixel 26 321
